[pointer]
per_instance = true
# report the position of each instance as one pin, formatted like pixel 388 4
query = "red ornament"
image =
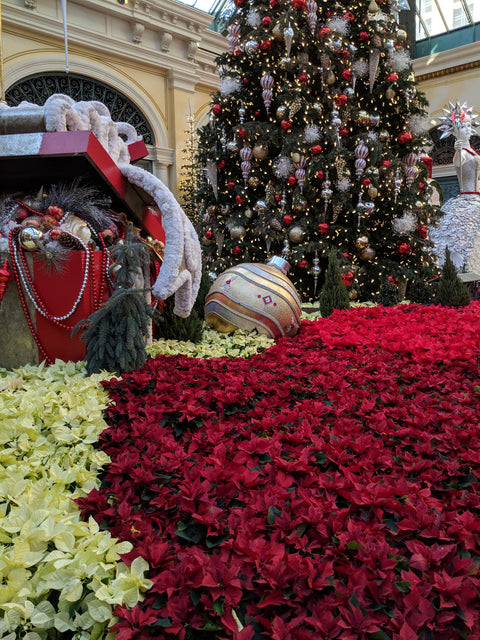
pixel 302 264
pixel 343 132
pixel 366 182
pixel 392 280
pixel 422 230
pixel 21 214
pixel 246 81
pixel 316 149
pixel 324 31
pixel 347 278
pixel 54 211
pixel 217 109
pixel 239 200
pixel 363 35
pixel 421 186
pixel 297 4
pixel 257 114
pixel 241 133
pixel 348 15
pixel 230 185
pixel 286 125
pixel 274 3
pixel 323 228
pixel 237 251
pixel 238 52
pixel 5 276
pixel 266 21
pixel 292 180
pixel 385 163
pixel 107 235
pixel 344 54
pixel 287 219
pixel 277 197
pixel 49 221
pixel 329 14
pixel 209 235
pixel 391 77
pixel 319 174
pixel 347 74
pixel 404 248
pixel 266 45
pixel 341 100
pixel 303 77
pixel 346 255
pixel 405 137
pixel 221 164
pixel 239 3
pixel 54 233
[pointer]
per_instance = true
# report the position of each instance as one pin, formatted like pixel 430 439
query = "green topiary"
pixel 334 294
pixel 116 334
pixel 388 295
pixel 451 291
pixel 420 292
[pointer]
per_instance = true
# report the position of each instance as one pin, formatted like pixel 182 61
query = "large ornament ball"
pixel 29 238
pixel 401 35
pixel 361 242
pixel 318 107
pixel 250 47
pixel 282 111
pixel 363 117
pixel 237 232
pixel 260 206
pixel 367 254
pixel 248 213
pixel 260 152
pixel 296 234
pixel 253 297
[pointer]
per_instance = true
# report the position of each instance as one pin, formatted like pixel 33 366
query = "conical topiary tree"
pixel 334 293
pixel 451 291
pixel 115 335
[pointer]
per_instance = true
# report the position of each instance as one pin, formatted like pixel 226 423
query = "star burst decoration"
pixel 457 117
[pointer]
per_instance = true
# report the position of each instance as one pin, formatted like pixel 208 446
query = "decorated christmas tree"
pixel 314 141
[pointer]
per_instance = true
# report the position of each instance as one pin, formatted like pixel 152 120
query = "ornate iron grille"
pixel 37 88
pixel 443 151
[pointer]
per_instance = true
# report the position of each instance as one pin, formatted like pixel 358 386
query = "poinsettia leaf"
pixel 379 635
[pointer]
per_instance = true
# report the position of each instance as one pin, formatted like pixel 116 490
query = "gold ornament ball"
pixel 372 192
pixel 419 204
pixel 352 294
pixel 237 232
pixel 367 254
pixel 296 234
pixel 281 111
pixel 29 238
pixel 361 242
pixel 248 213
pixel 260 152
pixel 277 32
pixel 330 79
pixel 363 117
pixel 295 156
pixel 253 181
pixel 383 136
pixel 401 35
pixel 253 297
pixel 318 107
pixel 390 93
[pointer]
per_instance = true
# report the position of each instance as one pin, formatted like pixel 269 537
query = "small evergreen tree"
pixel 115 334
pixel 388 295
pixel 334 293
pixel 420 292
pixel 451 291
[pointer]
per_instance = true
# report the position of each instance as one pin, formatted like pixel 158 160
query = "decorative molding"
pixel 30 4
pixel 440 73
pixel 448 62
pixel 165 41
pixel 192 49
pixel 138 31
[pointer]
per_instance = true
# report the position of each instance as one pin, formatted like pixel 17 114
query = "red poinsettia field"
pixel 327 488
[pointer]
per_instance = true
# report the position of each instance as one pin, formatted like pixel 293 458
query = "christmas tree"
pixel 314 142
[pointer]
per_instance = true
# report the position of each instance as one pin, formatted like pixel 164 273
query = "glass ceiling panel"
pixel 439 16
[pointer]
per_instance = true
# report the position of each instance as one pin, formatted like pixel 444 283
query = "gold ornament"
pixel 372 192
pixel 318 107
pixel 390 93
pixel 276 224
pixel 248 213
pixel 373 7
pixel 254 297
pixel 330 79
pixel 30 237
pixel 363 117
pixel 401 35
pixel 294 108
pixel 281 111
pixel 367 254
pixel 237 232
pixel 383 136
pixel 352 294
pixel 260 152
pixel 277 32
pixel 253 181
pixel 419 204
pixel 296 157
pixel 270 192
pixel 361 242
pixel 340 166
pixel 296 234
pixel 337 207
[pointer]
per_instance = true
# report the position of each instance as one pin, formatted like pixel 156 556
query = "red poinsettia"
pixel 327 488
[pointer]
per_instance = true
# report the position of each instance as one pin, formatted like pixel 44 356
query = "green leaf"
pixel 353 545
pixel 354 601
pixel 273 513
pixel 218 606
pixel 403 586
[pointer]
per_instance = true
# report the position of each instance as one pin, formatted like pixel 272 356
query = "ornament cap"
pixel 279 263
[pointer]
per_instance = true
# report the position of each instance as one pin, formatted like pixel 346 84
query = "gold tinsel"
pixel 337 207
pixel 294 108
